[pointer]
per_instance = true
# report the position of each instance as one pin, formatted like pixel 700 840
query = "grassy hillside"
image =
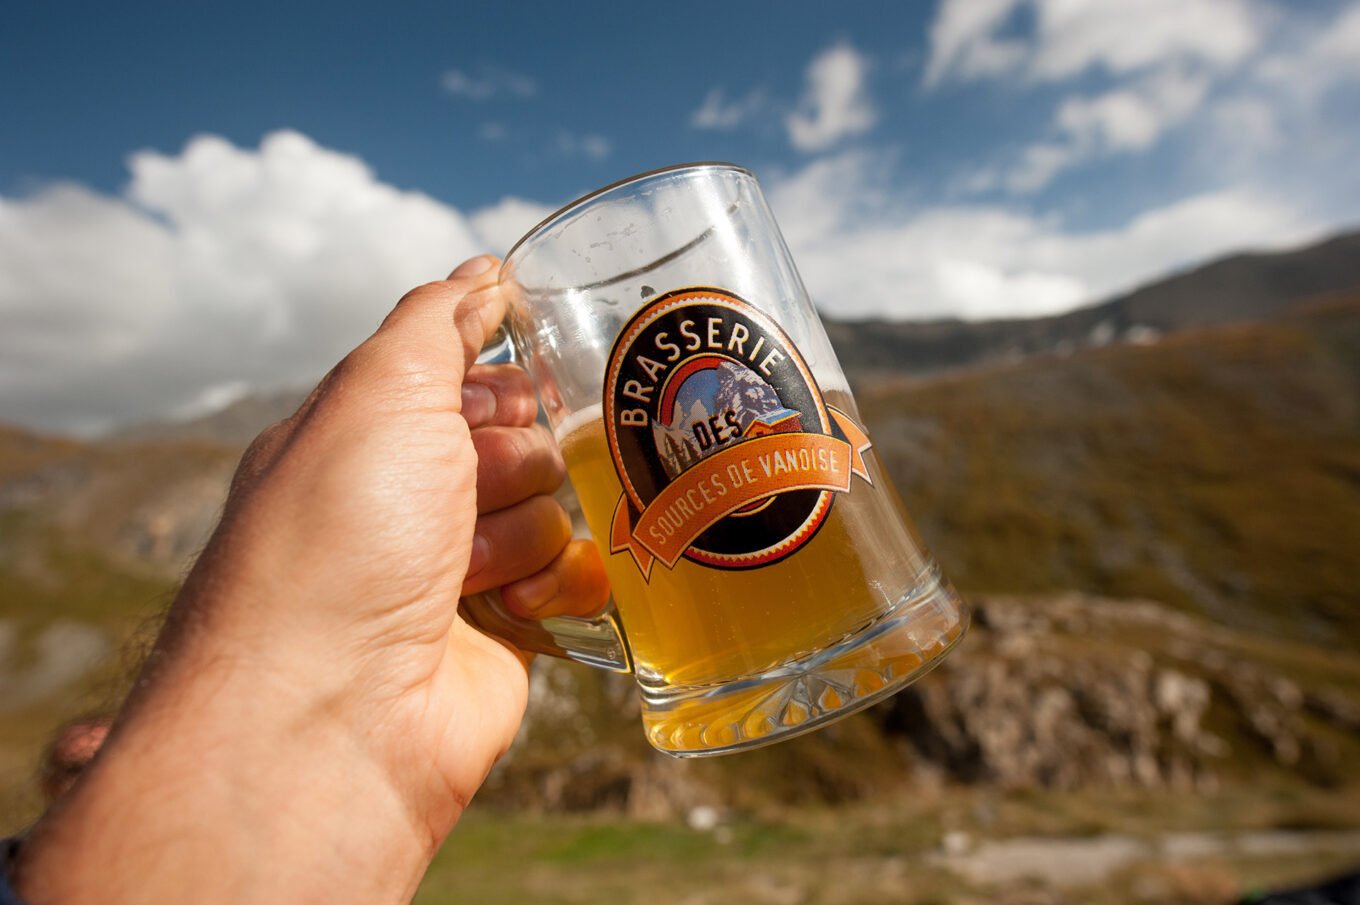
pixel 1219 471
pixel 92 540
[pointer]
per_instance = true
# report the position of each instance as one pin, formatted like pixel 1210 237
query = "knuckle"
pixel 501 448
pixel 260 455
pixel 531 451
pixel 555 469
pixel 264 445
pixel 475 320
pixel 517 380
pixel 522 403
pixel 555 519
pixel 432 289
pixel 384 368
pixel 354 365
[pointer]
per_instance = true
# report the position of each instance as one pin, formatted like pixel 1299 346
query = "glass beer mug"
pixel 765 577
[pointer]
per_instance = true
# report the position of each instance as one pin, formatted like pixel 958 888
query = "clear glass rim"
pixel 590 197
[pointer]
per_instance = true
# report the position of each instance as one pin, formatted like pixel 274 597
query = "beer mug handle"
pixel 597 641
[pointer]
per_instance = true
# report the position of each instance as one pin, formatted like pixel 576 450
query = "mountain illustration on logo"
pixel 715 402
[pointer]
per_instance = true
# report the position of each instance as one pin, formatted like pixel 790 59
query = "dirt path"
pixel 1075 861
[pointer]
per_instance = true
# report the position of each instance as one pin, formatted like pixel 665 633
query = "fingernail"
pixel 481 553
pixel 473 267
pixel 479 404
pixel 531 594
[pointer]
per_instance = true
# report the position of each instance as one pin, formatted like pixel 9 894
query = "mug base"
pixel 797 697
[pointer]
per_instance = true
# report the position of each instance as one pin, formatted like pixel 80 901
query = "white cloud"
pixel 501 225
pixel 212 398
pixel 80 274
pixel 716 112
pixel 977 289
pixel 835 103
pixel 1132 118
pixel 489 82
pixel 1160 62
pixel 1123 120
pixel 819 199
pixel 964 43
pixel 1255 123
pixel 1316 60
pixel 492 131
pixel 219 265
pixel 588 145
pixel 1125 37
pixel 1248 122
pixel 1338 46
pixel 1240 116
pixel 863 252
pixel 1037 166
pixel 976 39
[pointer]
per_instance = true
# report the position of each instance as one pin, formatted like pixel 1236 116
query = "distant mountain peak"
pixel 1239 288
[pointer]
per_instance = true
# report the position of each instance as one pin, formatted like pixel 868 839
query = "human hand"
pixel 315 703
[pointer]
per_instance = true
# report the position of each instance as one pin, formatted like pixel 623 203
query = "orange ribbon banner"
pixel 734 478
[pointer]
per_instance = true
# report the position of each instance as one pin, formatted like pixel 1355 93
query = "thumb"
pixel 440 327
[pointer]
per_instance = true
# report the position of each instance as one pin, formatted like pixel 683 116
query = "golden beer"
pixel 695 625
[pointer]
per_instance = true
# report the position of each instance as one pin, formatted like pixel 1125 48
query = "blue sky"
pixel 469 101
pixel 200 201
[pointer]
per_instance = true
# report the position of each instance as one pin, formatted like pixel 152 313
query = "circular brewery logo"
pixel 727 452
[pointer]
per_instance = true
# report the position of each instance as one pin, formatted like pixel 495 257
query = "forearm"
pixel 227 784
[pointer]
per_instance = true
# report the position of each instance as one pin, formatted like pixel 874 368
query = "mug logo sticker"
pixel 727 452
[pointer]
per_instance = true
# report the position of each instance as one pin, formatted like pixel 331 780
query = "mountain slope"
pixel 234 425
pixel 1217 470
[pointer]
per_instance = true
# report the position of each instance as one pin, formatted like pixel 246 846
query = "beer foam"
pixel 576 420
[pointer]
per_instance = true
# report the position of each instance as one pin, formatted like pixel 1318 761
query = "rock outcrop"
pixel 1058 692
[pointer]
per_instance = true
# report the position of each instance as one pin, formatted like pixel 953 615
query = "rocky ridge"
pixel 1047 693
